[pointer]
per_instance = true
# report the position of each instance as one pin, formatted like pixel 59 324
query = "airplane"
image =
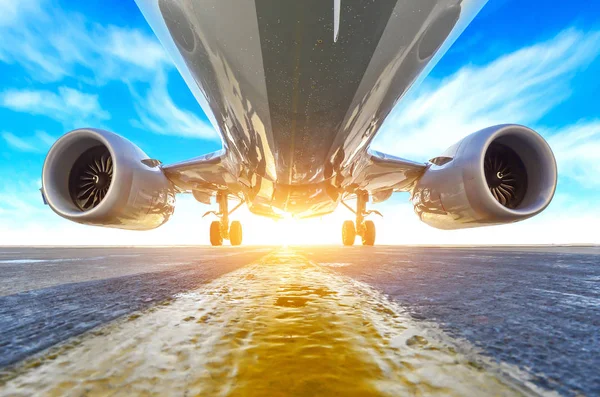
pixel 297 91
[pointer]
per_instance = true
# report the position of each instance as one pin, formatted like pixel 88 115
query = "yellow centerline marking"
pixel 282 326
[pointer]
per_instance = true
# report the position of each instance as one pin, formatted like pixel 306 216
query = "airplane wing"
pixel 381 174
pixel 204 175
pixel 378 173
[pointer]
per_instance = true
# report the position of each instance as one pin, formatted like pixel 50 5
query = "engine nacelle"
pixel 498 175
pixel 95 177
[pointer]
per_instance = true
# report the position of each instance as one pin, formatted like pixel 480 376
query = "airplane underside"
pixel 297 91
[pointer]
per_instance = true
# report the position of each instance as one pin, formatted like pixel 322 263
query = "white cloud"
pixel 45 138
pixel 158 113
pixel 10 10
pixel 135 48
pixel 21 197
pixel 15 203
pixel 67 105
pixel 18 143
pixel 52 44
pixel 519 87
pixel 577 149
pixel 39 143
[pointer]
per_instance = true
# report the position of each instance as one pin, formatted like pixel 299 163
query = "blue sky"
pixel 68 64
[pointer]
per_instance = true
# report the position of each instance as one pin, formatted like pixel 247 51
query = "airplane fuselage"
pixel 299 89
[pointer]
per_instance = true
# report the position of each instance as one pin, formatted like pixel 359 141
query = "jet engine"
pixel 95 177
pixel 498 175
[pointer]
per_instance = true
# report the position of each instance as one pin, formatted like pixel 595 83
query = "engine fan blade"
pixel 505 175
pixel 91 177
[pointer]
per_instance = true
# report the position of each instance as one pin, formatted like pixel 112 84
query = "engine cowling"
pixel 498 175
pixel 96 177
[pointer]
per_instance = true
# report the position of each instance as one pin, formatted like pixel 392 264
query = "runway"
pixel 300 321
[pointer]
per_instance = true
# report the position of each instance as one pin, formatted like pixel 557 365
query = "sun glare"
pixel 291 231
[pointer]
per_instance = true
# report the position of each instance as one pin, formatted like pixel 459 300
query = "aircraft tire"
pixel 215 234
pixel 235 233
pixel 368 237
pixel 348 233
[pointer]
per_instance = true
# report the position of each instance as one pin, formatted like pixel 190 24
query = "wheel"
pixel 368 237
pixel 348 233
pixel 235 233
pixel 215 233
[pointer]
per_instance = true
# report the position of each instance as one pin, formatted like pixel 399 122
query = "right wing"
pixel 382 174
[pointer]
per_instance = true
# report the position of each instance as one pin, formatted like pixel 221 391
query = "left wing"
pixel 205 175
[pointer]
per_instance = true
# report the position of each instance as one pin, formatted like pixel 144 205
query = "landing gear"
pixel 220 230
pixel 363 228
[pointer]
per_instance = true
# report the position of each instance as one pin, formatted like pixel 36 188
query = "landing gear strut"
pixel 363 228
pixel 220 230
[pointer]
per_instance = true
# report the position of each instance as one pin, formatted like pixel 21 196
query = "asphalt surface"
pixel 537 308
pixel 534 308
pixel 50 295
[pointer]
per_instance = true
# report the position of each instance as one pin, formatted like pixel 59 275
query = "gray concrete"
pixel 538 308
